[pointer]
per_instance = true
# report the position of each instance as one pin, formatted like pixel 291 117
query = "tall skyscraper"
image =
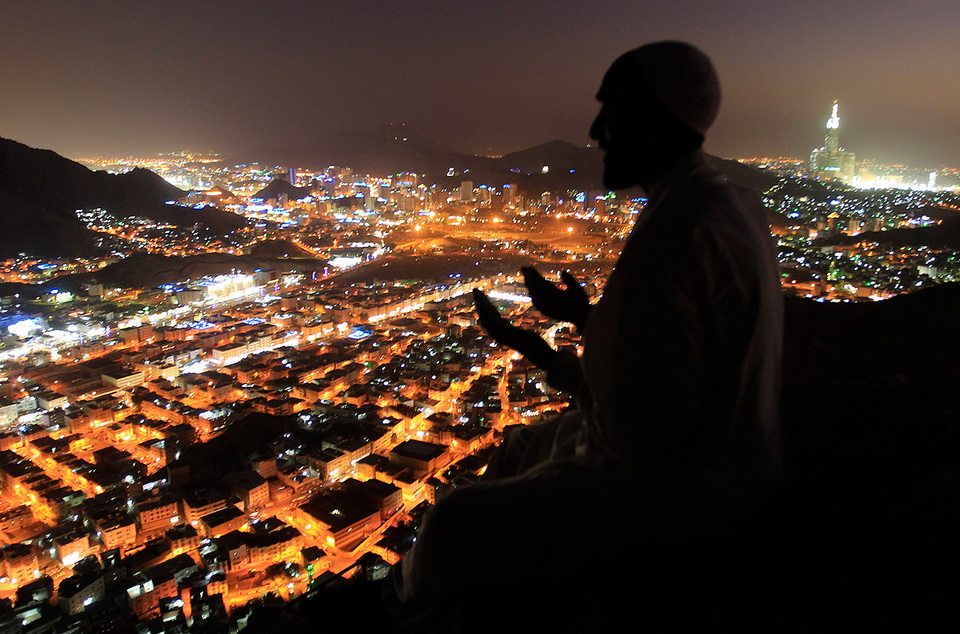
pixel 510 193
pixel 466 190
pixel 831 162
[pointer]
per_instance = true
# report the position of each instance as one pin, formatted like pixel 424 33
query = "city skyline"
pixel 222 396
pixel 115 79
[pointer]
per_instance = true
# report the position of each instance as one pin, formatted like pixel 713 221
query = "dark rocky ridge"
pixel 945 235
pixel 40 192
pixel 910 339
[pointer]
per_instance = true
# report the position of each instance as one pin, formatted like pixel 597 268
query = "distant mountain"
pixel 392 149
pixel 559 156
pixel 40 192
pixel 384 150
pixel 279 186
pixel 556 166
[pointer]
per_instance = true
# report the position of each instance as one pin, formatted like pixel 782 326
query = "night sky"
pixel 136 77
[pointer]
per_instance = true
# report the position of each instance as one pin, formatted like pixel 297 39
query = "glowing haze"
pixel 124 78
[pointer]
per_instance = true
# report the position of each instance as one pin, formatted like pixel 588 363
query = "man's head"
pixel 657 103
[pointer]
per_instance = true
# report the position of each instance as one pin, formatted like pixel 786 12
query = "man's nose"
pixel 596 128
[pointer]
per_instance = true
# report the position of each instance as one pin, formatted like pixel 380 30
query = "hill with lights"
pixel 40 192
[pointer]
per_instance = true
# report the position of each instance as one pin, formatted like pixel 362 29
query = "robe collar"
pixel 681 169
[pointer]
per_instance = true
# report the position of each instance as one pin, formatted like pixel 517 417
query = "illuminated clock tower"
pixel 832 140
pixel 831 162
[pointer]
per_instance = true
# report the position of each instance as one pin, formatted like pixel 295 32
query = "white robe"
pixel 678 429
pixel 682 353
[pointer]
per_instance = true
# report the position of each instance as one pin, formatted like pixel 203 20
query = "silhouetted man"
pixel 676 433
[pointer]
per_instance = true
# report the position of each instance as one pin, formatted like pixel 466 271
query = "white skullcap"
pixel 680 76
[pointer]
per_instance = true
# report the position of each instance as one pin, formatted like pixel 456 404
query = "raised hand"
pixel 569 304
pixel 529 344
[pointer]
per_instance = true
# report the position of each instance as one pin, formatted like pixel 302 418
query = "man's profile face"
pixel 617 136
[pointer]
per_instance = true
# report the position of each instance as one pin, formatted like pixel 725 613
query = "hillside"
pixel 40 192
pixel 945 235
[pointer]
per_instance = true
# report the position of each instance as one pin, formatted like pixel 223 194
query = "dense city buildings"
pixel 284 399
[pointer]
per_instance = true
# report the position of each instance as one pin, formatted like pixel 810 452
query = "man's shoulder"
pixel 706 198
pixel 705 211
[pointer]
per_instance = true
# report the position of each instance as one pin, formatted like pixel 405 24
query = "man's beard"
pixel 618 173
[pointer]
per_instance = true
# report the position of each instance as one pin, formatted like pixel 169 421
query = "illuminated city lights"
pixel 335 327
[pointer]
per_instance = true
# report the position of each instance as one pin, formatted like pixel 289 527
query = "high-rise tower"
pixel 831 162
pixel 832 140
